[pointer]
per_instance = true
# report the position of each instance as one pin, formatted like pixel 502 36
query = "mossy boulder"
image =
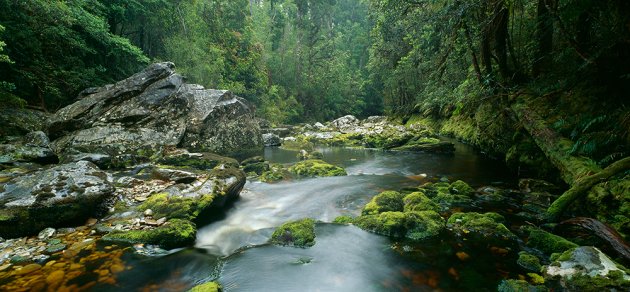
pixel 300 233
pixel 256 165
pixel 418 201
pixel 410 225
pixel 448 195
pixel 201 161
pixel 547 242
pixel 207 287
pixel 586 268
pixel 529 262
pixel 513 285
pixel 173 234
pixel 343 220
pixel 220 187
pixel 483 228
pixel 297 145
pixel 427 144
pixel 384 202
pixel 316 168
pixel 275 173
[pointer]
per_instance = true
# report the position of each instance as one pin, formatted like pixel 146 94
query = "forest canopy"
pixel 308 60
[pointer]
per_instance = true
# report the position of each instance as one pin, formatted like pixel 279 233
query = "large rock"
pixel 61 195
pixel 586 268
pixel 152 109
pixel 19 122
pixel 346 124
pixel 34 147
pixel 270 139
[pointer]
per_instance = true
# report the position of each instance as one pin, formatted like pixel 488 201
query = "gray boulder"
pixel 57 196
pixel 152 110
pixel 346 124
pixel 271 139
pixel 34 147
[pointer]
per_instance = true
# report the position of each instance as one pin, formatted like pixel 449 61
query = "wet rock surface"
pixel 59 195
pixel 150 110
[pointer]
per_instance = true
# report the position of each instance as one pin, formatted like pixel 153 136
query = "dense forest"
pixel 141 121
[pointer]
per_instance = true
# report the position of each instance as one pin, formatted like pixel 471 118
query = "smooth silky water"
pixel 344 258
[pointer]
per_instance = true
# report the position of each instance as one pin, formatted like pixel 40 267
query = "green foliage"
pixel 60 48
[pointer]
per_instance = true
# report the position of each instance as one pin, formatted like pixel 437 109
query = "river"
pixel 232 249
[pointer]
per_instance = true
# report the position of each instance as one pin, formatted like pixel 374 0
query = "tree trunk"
pixel 473 56
pixel 500 24
pixel 544 38
pixel 579 172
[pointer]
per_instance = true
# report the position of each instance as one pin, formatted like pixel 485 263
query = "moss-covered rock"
pixel 461 188
pixel 547 242
pixel 275 173
pixel 586 268
pixel 481 227
pixel 426 144
pixel 175 233
pixel 512 285
pixel 316 168
pixel 384 202
pixel 343 220
pixel 448 195
pixel 529 262
pixel 299 233
pixel 255 165
pixel 297 145
pixel 207 287
pixel 418 201
pixel 411 225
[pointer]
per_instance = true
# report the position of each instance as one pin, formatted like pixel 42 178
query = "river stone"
pixel 46 233
pixel 153 109
pixel 61 195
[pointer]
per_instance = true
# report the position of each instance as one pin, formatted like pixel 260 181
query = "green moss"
pixel 418 201
pixel 547 242
pixel 316 168
pixel 299 233
pixel 164 205
pixel 257 168
pixel 446 196
pixel 298 145
pixel 480 226
pixel 557 257
pixel 614 281
pixel 275 173
pixel 461 188
pixel 343 220
pixel 384 202
pixel 609 202
pixel 207 287
pixel 411 225
pixel 512 285
pixel 175 233
pixel 528 262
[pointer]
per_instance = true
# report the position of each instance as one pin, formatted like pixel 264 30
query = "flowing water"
pixel 344 258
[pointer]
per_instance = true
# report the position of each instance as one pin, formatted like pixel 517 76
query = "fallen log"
pixel 580 173
pixel 601 231
pixel 582 186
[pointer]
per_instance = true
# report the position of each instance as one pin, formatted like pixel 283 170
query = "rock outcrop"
pixel 150 110
pixel 64 194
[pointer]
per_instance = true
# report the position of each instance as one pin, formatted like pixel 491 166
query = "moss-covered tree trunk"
pixel 580 173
